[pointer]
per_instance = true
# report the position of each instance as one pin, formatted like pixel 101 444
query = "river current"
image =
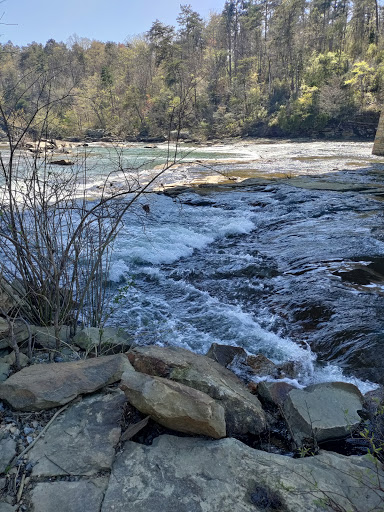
pixel 288 263
pixel 290 267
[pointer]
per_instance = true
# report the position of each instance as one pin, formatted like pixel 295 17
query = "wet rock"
pixel 288 369
pixel 243 411
pixel 82 441
pixel 92 337
pixel 274 393
pixel 84 495
pixel 323 412
pixel 45 386
pixel 225 354
pixel 62 162
pixel 174 405
pixel 195 475
pixel 7 451
pixel 261 365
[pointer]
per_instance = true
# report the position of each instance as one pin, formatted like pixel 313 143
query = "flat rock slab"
pixel 7 451
pixel 92 337
pixel 323 411
pixel 81 496
pixel 44 386
pixel 243 411
pixel 174 405
pixel 195 475
pixel 6 507
pixel 82 441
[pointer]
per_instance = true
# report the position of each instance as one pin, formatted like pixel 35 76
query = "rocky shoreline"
pixel 162 428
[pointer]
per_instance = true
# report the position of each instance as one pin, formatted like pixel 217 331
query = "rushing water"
pixel 289 270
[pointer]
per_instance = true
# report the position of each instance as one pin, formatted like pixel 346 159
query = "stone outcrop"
pixel 243 411
pixel 195 475
pixel 174 405
pixel 83 440
pixel 323 411
pixel 45 386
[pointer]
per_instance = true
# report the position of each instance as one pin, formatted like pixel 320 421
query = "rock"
pixel 7 451
pixel 225 354
pixel 84 495
pixel 323 411
pixel 89 338
pixel 195 475
pixel 243 411
pixel 62 162
pixel 274 392
pixel 9 298
pixel 44 386
pixel 11 359
pixel 174 405
pixel 83 440
pixel 43 336
pixel 261 365
pixel 4 371
pixel 6 507
pixel 288 369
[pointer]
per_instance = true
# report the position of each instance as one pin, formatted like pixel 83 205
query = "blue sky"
pixel 105 20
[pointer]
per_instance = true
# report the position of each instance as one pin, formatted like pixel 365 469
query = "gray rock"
pixel 44 386
pixel 323 411
pixel 6 507
pixel 92 337
pixel 225 354
pixel 174 405
pixel 82 441
pixel 84 496
pixel 243 411
pixel 4 371
pixel 11 359
pixel 195 475
pixel 7 452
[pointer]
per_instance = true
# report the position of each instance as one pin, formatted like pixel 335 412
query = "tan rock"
pixel 243 411
pixel 44 386
pixel 174 405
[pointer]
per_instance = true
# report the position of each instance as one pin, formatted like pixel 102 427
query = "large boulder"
pixel 82 440
pixel 323 411
pixel 174 405
pixel 44 386
pixel 243 411
pixel 195 475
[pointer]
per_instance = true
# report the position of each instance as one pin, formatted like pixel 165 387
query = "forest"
pixel 258 68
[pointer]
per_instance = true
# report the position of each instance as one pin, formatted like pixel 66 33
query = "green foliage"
pixel 291 66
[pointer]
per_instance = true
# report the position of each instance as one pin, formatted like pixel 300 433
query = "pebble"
pixel 29 439
pixel 28 430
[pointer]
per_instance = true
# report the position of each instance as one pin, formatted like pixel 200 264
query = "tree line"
pixel 258 68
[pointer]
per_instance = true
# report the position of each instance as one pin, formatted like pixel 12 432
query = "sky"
pixel 104 20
